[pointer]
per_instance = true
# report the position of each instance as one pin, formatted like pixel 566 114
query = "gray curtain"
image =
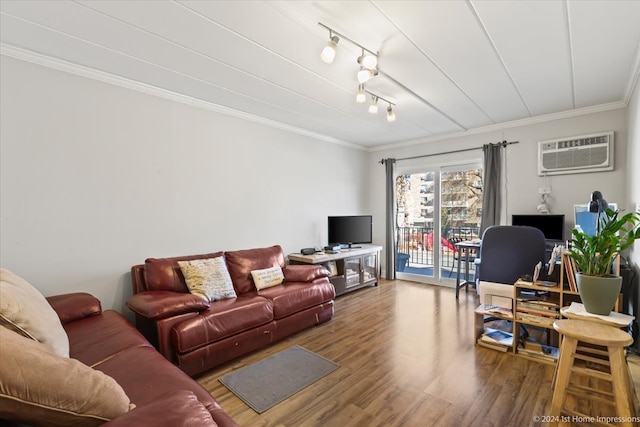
pixel 390 229
pixel 491 186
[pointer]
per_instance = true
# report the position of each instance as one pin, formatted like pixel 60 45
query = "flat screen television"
pixel 551 225
pixel 347 230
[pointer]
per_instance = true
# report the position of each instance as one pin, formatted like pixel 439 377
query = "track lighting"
pixel 391 116
pixel 373 107
pixel 329 51
pixel 361 97
pixel 365 75
pixel 368 61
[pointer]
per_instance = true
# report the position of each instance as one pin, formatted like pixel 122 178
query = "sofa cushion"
pixel 97 338
pixel 163 274
pixel 223 319
pixel 39 387
pixel 208 278
pixel 146 377
pixel 294 297
pixel 304 272
pixel 25 310
pixel 177 408
pixel 267 277
pixel 241 263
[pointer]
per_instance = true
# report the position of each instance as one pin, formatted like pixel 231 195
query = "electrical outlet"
pixel 544 190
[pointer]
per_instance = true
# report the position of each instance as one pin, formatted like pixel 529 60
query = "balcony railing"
pixel 417 242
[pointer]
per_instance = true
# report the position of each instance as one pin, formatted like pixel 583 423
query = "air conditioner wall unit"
pixel 576 154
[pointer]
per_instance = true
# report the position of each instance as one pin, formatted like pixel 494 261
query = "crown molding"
pixel 633 81
pixel 91 73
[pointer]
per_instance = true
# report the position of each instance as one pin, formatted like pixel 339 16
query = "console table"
pixel 350 269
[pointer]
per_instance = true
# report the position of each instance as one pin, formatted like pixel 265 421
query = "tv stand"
pixel 350 269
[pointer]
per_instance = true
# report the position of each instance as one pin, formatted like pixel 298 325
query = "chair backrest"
pixel 508 252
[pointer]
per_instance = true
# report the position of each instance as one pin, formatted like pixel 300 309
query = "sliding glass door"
pixel 435 207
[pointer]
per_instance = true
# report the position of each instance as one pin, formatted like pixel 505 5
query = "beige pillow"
pixel 267 277
pixel 40 388
pixel 208 278
pixel 24 310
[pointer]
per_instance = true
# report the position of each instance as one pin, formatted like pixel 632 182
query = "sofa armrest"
pixel 75 306
pixel 161 304
pixel 177 409
pixel 304 272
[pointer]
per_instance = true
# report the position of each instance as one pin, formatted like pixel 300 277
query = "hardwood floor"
pixel 406 358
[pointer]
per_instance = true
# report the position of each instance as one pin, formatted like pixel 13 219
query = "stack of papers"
pixel 613 317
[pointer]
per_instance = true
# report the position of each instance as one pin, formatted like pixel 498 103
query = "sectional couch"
pixel 197 335
pixel 64 361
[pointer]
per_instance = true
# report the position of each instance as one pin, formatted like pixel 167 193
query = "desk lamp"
pixel 597 204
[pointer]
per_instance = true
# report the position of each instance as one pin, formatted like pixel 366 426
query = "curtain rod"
pixel 503 143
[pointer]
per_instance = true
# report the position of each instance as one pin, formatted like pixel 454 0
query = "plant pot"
pixel 599 294
pixel 401 261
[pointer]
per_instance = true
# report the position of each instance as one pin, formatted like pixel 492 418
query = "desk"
pixel 464 250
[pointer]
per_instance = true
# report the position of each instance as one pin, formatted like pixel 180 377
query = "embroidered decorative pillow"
pixel 267 277
pixel 25 310
pixel 208 278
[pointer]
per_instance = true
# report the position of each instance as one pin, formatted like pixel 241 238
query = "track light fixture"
pixel 391 116
pixel 368 61
pixel 364 75
pixel 373 107
pixel 329 51
pixel 361 97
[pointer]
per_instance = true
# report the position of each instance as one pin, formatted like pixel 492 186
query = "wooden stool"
pixel 613 357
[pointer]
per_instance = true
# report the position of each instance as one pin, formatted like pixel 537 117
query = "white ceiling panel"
pixel 448 66
pixel 467 57
pixel 532 39
pixel 603 64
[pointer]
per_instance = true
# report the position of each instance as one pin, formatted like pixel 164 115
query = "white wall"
pixel 95 178
pixel 522 181
pixel 633 179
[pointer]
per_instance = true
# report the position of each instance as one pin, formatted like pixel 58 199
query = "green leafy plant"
pixel 594 255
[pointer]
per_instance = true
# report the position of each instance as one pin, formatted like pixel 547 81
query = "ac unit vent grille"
pixel 587 153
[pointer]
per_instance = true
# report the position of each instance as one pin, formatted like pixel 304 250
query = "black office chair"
pixel 509 252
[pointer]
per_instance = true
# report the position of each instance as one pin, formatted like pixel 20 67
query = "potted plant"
pixel 594 257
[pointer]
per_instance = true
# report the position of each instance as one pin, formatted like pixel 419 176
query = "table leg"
pixel 466 269
pixel 459 251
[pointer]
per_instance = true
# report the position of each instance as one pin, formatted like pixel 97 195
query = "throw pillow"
pixel 208 278
pixel 39 387
pixel 267 277
pixel 25 310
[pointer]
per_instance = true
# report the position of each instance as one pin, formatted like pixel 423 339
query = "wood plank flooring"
pixel 407 359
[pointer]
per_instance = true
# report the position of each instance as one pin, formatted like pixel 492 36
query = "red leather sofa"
pixel 162 393
pixel 197 335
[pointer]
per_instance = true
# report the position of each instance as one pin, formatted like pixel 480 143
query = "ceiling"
pixel 449 66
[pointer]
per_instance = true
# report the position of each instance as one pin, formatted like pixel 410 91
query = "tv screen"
pixel 552 226
pixel 346 230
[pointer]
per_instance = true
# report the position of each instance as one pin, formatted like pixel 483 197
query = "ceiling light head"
pixel 391 116
pixel 361 97
pixel 365 75
pixel 373 108
pixel 368 61
pixel 329 51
